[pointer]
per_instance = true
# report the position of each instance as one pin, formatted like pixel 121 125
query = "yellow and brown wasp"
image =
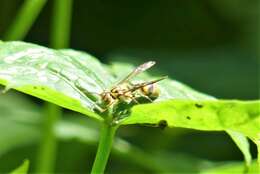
pixel 128 92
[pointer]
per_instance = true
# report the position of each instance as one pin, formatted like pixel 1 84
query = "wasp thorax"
pixel 119 90
pixel 152 91
pixel 122 92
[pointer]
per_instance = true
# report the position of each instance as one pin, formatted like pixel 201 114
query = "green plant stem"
pixel 60 33
pixel 47 151
pixel 24 19
pixel 61 23
pixel 104 147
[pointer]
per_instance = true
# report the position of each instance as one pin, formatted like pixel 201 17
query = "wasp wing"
pixel 137 71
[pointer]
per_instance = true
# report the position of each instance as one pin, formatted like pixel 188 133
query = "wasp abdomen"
pixel 151 91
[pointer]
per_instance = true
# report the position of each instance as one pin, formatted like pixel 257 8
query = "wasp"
pixel 128 92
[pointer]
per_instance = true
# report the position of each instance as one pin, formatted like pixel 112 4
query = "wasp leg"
pixel 109 105
pixel 146 97
pixel 133 98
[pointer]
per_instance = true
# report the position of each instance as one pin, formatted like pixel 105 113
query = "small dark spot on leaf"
pixel 198 105
pixel 188 117
pixel 42 88
pixel 35 87
pixel 162 124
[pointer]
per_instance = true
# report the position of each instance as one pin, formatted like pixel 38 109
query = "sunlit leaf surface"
pixel 73 79
pixel 204 115
pixel 51 75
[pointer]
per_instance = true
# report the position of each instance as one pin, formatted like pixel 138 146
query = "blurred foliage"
pixel 78 137
pixel 211 45
pixel 232 167
pixel 205 35
pixel 22 169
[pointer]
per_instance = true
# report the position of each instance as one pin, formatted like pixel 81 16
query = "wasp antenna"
pixel 138 86
pixel 157 80
pixel 164 77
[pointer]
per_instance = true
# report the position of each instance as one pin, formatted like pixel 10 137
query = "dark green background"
pixel 210 45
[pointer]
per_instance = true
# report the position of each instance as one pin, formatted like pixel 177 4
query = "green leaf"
pixel 52 75
pixel 231 167
pixel 60 77
pixel 22 169
pixel 70 78
pixel 218 115
pixel 244 146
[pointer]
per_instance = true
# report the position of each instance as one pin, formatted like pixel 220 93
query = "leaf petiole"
pixel 104 147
